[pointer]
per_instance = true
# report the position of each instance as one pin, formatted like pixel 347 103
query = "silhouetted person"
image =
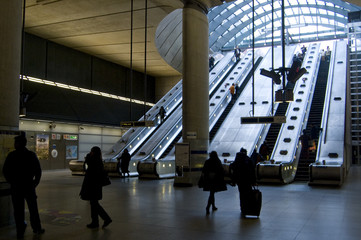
pixel 304 50
pixel 92 187
pixel 305 145
pixel 22 170
pixel 237 53
pixel 243 174
pixel 237 89
pixel 124 162
pixel 255 158
pixel 314 132
pixel 264 151
pixel 161 114
pixel 328 54
pixel 211 62
pixel 213 174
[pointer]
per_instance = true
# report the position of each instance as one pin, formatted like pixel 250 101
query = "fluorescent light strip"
pixel 84 90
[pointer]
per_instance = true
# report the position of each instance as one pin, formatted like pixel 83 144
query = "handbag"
pixel 105 180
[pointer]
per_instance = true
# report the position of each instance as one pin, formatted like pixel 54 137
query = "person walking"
pixel 243 174
pixel 91 189
pixel 124 160
pixel 213 179
pixel 23 172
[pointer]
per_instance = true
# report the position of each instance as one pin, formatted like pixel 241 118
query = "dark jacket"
pixel 124 162
pixel 213 176
pixel 92 183
pixel 22 170
pixel 242 170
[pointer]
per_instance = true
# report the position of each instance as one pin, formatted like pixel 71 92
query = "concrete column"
pixel 10 52
pixel 195 84
pixel 10 49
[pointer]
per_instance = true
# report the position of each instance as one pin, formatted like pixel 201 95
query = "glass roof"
pixel 230 24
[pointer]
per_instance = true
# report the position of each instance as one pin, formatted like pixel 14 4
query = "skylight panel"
pixel 267 7
pixel 287 4
pixel 231 28
pixel 238 23
pixel 261 1
pixel 246 7
pixel 311 2
pixel 230 17
pixel 339 15
pixel 302 2
pixel 258 22
pixel 313 10
pixel 323 11
pixel 320 3
pixel 288 12
pixel 292 20
pixel 239 11
pixel 244 18
pixel 259 11
pixel 277 24
pixel 224 33
pixel 329 4
pixel 305 10
pixel 231 6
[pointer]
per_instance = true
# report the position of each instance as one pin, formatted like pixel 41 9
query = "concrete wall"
pixel 164 84
pixel 48 60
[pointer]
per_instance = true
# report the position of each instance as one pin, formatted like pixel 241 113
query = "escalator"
pixel 274 129
pixel 314 119
pixel 218 124
pixel 176 139
pixel 285 155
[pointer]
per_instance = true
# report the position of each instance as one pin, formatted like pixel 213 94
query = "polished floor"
pixel 154 209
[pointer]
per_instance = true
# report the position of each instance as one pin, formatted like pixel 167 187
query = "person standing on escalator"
pixel 161 114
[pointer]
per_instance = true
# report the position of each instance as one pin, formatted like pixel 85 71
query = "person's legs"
pixel 34 212
pixel 19 212
pixel 211 202
pixel 104 215
pixel 213 199
pixel 94 206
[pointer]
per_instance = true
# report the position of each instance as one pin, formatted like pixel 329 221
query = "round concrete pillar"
pixel 10 49
pixel 195 83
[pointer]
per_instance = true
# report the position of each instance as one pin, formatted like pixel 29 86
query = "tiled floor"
pixel 154 209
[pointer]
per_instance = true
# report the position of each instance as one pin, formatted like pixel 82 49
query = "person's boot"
pixel 207 209
pixel 92 225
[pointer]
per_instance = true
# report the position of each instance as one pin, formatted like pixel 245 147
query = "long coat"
pixel 242 171
pixel 92 183
pixel 213 176
pixel 124 164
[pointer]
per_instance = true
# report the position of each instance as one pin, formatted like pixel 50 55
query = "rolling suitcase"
pixel 252 204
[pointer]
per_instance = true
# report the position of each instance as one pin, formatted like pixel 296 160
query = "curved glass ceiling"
pixel 305 20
